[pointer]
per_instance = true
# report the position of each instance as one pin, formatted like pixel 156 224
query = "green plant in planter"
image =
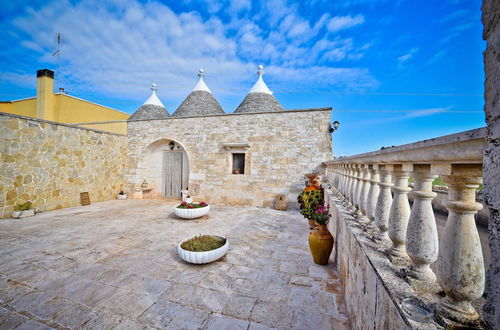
pixel 186 205
pixel 309 201
pixel 203 243
pixel 23 207
pixel 322 215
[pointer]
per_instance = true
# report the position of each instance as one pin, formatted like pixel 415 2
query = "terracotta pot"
pixel 312 224
pixel 321 245
pixel 313 180
pixel 280 203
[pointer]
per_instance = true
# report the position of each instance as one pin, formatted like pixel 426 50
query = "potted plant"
pixel 236 171
pixel 202 249
pixel 193 210
pixel 122 195
pixel 23 210
pixel 309 200
pixel 320 239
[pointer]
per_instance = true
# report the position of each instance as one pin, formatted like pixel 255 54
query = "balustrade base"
pixel 398 261
pixel 398 252
pixel 423 287
pixel 461 312
pixel 383 236
pixel 424 274
pixel 362 218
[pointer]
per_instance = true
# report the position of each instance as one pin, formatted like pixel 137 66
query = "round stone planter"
pixel 23 214
pixel 203 257
pixel 191 213
pixel 121 197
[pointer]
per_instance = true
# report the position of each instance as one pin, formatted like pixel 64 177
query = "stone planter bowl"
pixel 121 197
pixel 203 257
pixel 191 213
pixel 23 214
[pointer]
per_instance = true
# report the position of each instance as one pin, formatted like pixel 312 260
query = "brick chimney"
pixel 45 98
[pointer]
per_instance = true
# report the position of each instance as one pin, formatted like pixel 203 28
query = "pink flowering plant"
pixel 322 214
pixel 186 205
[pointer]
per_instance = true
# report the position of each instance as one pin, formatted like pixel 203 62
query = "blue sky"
pixel 393 71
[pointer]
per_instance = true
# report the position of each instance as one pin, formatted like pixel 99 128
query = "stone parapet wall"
pixel 50 164
pixel 283 146
pixel 373 288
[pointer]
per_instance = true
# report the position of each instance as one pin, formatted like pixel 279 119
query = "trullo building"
pixel 247 157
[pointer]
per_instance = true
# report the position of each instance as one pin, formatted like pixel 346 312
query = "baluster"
pixel 351 187
pixel 384 202
pixel 341 193
pixel 357 187
pixel 422 238
pixel 399 213
pixel 460 267
pixel 373 193
pixel 342 180
pixel 363 194
pixel 330 175
pixel 349 184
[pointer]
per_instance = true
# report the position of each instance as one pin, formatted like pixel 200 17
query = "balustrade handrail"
pixel 458 159
pixel 463 147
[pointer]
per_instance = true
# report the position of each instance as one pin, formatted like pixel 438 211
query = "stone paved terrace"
pixel 113 265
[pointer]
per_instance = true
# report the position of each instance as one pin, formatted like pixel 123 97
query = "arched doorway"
pixel 164 165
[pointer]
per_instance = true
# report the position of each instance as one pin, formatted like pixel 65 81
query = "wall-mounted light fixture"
pixel 171 145
pixel 334 127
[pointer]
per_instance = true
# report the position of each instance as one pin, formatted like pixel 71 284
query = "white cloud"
pixel 119 47
pixel 241 4
pixel 402 60
pixel 414 113
pixel 355 78
pixel 436 57
pixel 338 23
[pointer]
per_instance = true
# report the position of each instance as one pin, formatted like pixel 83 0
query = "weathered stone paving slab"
pixel 114 265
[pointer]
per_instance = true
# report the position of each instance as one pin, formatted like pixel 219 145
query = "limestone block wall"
pixel 491 166
pixel 50 164
pixel 283 146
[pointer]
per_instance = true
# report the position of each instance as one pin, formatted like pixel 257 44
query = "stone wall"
pixel 50 164
pixel 491 33
pixel 283 146
pixel 373 287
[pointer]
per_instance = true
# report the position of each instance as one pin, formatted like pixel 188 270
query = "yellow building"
pixel 63 108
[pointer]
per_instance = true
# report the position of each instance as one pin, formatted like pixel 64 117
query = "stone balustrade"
pixel 364 183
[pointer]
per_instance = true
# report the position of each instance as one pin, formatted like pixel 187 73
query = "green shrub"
pixel 203 243
pixel 309 201
pixel 23 207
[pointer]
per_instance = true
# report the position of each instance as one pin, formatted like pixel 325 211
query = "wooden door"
pixel 172 173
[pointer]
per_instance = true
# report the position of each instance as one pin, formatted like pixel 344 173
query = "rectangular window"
pixel 238 164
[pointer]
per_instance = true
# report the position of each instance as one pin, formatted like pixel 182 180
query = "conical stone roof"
pixel 153 108
pixel 259 98
pixel 200 102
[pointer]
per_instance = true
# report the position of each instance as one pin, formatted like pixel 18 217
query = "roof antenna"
pixel 58 52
